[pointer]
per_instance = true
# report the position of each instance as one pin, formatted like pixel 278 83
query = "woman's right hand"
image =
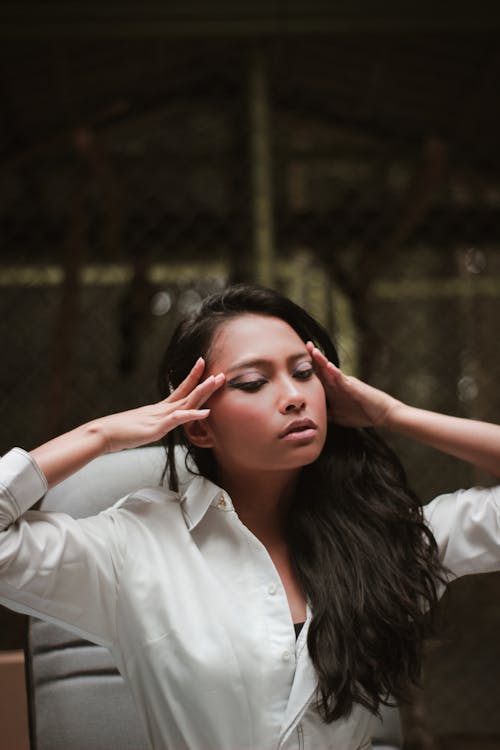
pixel 147 424
pixel 67 453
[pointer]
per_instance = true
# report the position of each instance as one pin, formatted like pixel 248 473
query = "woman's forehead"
pixel 253 336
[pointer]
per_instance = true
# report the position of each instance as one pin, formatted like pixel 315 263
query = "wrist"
pixel 394 415
pixel 96 438
pixel 62 456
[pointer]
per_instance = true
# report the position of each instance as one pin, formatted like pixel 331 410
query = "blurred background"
pixel 347 156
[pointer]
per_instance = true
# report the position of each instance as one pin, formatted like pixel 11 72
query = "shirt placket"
pixel 277 632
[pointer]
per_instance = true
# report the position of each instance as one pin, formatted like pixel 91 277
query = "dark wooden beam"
pixel 443 227
pixel 29 19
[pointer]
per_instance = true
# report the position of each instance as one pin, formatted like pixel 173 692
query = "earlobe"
pixel 198 433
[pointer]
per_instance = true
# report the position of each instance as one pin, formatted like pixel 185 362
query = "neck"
pixel 262 502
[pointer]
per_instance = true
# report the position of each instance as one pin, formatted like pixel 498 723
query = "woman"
pixel 286 593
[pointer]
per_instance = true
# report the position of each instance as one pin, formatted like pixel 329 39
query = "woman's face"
pixel 271 413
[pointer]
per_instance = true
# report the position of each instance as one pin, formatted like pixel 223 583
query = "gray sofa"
pixel 77 699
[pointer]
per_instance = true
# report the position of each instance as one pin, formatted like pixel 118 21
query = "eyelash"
pixel 254 385
pixel 250 386
pixel 304 374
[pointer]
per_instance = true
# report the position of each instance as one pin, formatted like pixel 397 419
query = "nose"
pixel 291 398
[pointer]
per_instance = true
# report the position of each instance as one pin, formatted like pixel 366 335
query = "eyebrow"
pixel 260 361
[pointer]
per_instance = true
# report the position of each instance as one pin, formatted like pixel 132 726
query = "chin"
pixel 304 458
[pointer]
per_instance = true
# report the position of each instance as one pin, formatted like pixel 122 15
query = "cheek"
pixel 233 420
pixel 318 398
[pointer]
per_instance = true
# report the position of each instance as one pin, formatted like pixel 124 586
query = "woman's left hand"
pixel 352 403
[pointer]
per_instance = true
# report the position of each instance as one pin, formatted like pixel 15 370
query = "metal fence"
pixel 348 172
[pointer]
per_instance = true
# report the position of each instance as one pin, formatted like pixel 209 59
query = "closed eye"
pixel 304 374
pixel 251 386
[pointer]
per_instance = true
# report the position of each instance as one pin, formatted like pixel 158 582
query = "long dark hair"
pixel 360 549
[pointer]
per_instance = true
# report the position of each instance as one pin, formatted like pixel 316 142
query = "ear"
pixel 198 433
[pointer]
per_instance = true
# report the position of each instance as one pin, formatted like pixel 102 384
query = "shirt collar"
pixel 200 494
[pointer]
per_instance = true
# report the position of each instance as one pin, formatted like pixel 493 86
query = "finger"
pixel 316 354
pixel 187 385
pixel 325 366
pixel 204 390
pixel 182 416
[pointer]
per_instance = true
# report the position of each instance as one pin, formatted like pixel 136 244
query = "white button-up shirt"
pixel 190 604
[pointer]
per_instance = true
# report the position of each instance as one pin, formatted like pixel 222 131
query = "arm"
pixel 356 404
pixel 67 569
pixel 67 453
pixel 476 442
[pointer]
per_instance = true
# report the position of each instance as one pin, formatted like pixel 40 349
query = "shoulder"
pixel 148 501
pixel 146 518
pixel 452 505
pixel 466 527
pixel 160 507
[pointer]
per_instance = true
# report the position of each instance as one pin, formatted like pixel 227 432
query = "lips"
pixel 299 426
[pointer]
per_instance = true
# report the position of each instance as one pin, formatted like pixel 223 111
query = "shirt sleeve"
pixel 466 526
pixel 53 566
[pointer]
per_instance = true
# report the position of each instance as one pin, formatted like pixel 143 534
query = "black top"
pixel 298 627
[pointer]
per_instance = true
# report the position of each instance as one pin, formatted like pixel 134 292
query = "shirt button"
pixel 221 502
pixel 271 589
pixel 286 656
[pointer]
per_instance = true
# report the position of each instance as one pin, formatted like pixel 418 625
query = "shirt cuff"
pixel 22 482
